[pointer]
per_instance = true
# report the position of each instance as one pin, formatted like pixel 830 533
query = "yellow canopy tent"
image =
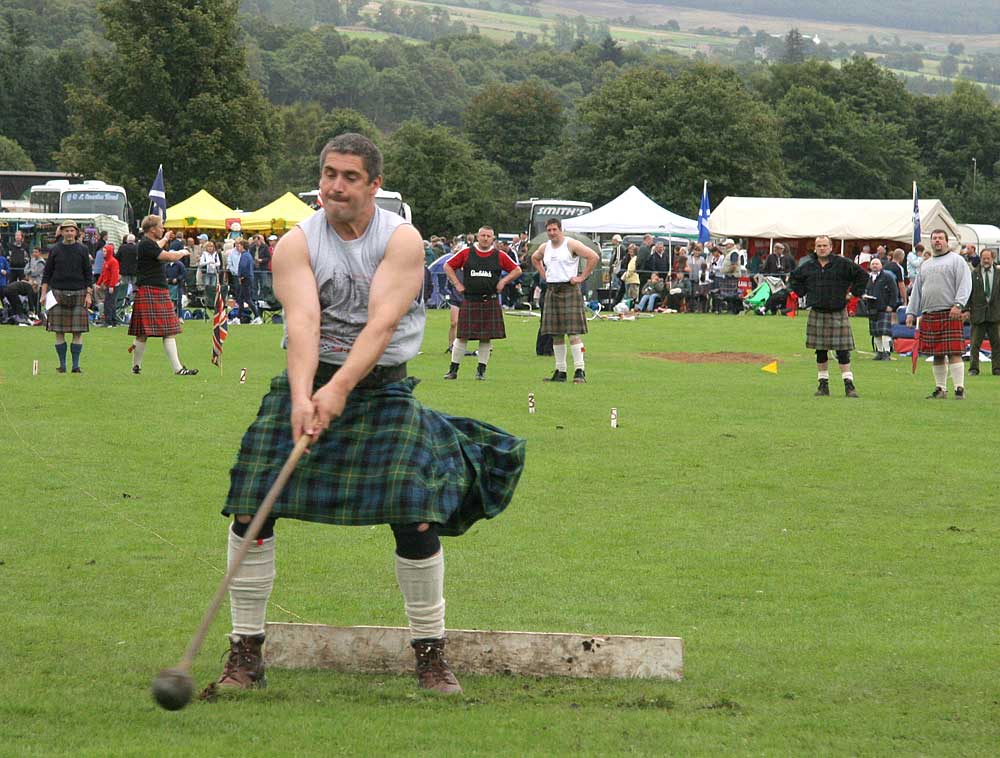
pixel 201 211
pixel 279 215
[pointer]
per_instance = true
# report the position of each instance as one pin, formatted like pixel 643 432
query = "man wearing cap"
pixel 940 294
pixel 485 272
pixel 827 279
pixel 69 276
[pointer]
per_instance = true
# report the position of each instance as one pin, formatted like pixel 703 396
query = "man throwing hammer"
pixel 940 292
pixel 827 279
pixel 349 277
pixel 558 263
pixel 485 273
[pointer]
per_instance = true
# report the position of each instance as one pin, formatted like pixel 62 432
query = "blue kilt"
pixel 386 460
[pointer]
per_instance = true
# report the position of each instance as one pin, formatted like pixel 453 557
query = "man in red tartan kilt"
pixel 485 272
pixel 940 292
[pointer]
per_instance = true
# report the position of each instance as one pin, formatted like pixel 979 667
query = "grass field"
pixel 831 564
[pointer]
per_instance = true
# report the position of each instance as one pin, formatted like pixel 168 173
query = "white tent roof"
pixel 796 218
pixel 980 235
pixel 632 212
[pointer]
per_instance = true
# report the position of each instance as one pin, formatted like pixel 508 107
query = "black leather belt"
pixel 378 377
pixel 482 298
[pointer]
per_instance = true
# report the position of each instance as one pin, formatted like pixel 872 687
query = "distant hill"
pixel 954 16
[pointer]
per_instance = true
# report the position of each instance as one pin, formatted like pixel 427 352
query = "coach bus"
pixel 91 196
pixel 384 199
pixel 15 187
pixel 541 210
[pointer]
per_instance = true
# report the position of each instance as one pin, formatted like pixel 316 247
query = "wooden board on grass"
pixel 386 649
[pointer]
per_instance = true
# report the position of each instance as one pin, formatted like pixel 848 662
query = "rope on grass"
pixel 123 516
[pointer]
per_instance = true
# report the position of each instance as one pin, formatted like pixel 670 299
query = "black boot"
pixel 557 376
pixel 452 372
pixel 481 371
pixel 824 388
pixel 849 388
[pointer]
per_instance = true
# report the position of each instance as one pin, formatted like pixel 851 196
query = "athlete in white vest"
pixel 558 264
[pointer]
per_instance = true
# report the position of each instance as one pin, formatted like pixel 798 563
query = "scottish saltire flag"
pixel 158 196
pixel 703 213
pixel 916 216
pixel 220 327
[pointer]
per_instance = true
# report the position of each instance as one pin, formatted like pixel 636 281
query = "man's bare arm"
pixel 453 278
pixel 295 287
pixel 536 260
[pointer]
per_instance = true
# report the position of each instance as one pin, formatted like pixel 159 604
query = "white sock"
pixel 958 373
pixel 577 350
pixel 251 586
pixel 847 375
pixel 485 348
pixel 941 375
pixel 138 348
pixel 422 585
pixel 458 350
pixel 887 344
pixel 560 353
pixel 170 347
pixel 824 373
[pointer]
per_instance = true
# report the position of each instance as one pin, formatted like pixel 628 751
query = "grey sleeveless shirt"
pixel 344 271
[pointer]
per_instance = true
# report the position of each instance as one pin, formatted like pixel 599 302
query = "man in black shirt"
pixel 69 276
pixel 128 261
pixel 827 279
pixel 17 256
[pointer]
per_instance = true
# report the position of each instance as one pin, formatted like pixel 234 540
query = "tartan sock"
pixel 577 350
pixel 485 348
pixel 957 371
pixel 138 348
pixel 251 587
pixel 458 350
pixel 75 349
pixel 941 375
pixel 560 353
pixel 61 352
pixel 170 347
pixel 422 584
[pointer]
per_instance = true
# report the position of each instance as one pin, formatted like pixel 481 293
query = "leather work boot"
pixel 824 388
pixel 557 376
pixel 452 372
pixel 849 388
pixel 432 669
pixel 244 669
pixel 939 393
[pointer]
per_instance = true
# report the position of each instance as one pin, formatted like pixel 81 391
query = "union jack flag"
pixel 220 327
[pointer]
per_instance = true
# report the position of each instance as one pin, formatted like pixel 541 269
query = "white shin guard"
pixel 422 585
pixel 251 587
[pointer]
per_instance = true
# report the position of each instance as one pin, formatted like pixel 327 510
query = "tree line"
pixel 469 125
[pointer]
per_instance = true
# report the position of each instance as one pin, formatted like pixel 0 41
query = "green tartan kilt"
pixel 387 460
pixel 563 311
pixel 829 331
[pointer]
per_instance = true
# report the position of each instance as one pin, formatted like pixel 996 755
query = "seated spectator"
pixel 652 293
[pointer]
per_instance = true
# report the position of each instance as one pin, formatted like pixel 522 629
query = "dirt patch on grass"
pixel 721 357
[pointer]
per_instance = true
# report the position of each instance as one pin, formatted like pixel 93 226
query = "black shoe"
pixel 960 393
pixel 557 376
pixel 975 372
pixel 137 369
pixel 579 376
pixel 939 393
pixel 481 372
pixel 76 370
pixel 996 372
pixel 878 357
pixel 824 388
pixel 849 388
pixel 185 371
pixel 61 369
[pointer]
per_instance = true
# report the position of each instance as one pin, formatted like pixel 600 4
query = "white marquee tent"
pixel 798 218
pixel 980 235
pixel 632 212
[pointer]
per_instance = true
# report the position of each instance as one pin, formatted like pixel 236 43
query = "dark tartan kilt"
pixel 940 334
pixel 481 320
pixel 880 325
pixel 829 331
pixel 69 314
pixel 386 460
pixel 153 314
pixel 563 312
